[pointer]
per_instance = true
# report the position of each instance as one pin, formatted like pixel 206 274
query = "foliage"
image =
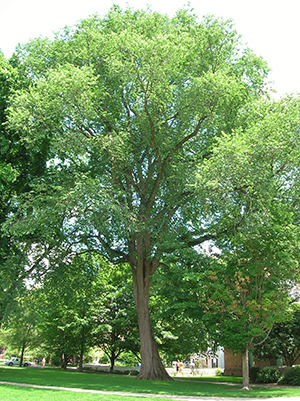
pixel 253 373
pixel 132 105
pixel 74 296
pixel 87 303
pixel 71 298
pixel 103 358
pixel 19 166
pixel 174 305
pixel 129 359
pixel 126 372
pixel 20 332
pixel 115 331
pixel 251 184
pixel 291 376
pixel 219 372
pixel 56 358
pixel 284 339
pixel 268 374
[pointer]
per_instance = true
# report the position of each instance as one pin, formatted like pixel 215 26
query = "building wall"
pixel 264 362
pixel 233 363
pixel 217 361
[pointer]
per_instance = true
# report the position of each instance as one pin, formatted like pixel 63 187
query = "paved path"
pixel 166 397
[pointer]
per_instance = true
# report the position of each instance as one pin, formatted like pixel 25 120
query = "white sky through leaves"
pixel 270 27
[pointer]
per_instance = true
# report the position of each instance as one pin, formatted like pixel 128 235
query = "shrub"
pixel 291 376
pixel 103 359
pixel 268 375
pixel 131 372
pixel 89 369
pixel 253 373
pixel 219 372
pixel 129 358
pixel 56 360
pixel 126 372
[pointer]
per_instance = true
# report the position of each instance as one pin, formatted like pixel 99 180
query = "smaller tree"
pixel 247 294
pixel 284 340
pixel 178 325
pixel 250 187
pixel 116 329
pixel 20 165
pixel 20 331
pixel 71 296
pixel 249 281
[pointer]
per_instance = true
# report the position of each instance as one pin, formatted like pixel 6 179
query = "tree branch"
pixel 110 250
pixel 188 137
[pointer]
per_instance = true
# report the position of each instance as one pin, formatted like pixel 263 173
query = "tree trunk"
pixel 112 359
pixel 65 360
pixel 290 358
pixel 81 350
pixel 151 364
pixel 245 366
pixel 22 354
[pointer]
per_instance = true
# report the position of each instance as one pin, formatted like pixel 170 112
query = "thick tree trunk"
pixel 22 354
pixel 245 366
pixel 65 360
pixel 112 359
pixel 151 364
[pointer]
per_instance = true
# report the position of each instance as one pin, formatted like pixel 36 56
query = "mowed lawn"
pixel 119 383
pixel 10 393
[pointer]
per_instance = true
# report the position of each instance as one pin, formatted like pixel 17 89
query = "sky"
pixel 269 27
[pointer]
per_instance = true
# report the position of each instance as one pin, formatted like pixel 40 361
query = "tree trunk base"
pixel 154 377
pixel 247 388
pixel 161 375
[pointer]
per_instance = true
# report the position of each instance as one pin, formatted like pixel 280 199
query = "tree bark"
pixel 81 350
pixel 22 354
pixel 65 360
pixel 245 366
pixel 151 365
pixel 74 362
pixel 112 359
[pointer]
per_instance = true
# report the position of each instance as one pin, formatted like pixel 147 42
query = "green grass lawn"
pixel 215 379
pixel 32 394
pixel 109 382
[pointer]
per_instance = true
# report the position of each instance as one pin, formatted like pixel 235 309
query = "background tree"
pixel 178 324
pixel 19 165
pixel 284 340
pixel 253 181
pixel 116 325
pixel 72 297
pixel 20 332
pixel 132 104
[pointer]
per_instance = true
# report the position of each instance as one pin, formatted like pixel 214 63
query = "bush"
pixel 103 359
pixel 219 372
pixel 253 373
pixel 268 375
pixel 131 372
pixel 291 376
pixel 129 358
pixel 56 360
pixel 88 369
pixel 126 372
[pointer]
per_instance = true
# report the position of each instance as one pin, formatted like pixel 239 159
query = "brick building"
pixel 233 363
